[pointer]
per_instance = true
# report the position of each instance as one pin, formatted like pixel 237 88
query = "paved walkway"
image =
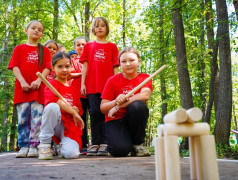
pixel 98 168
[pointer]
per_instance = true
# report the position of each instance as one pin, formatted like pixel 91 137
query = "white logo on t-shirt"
pixel 127 89
pixel 100 55
pixel 32 57
pixel 69 98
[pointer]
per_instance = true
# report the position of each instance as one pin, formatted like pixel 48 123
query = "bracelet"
pixel 116 108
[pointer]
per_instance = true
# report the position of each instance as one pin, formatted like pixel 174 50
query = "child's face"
pixel 34 31
pixel 129 63
pixel 52 47
pixel 62 69
pixel 73 56
pixel 100 28
pixel 79 44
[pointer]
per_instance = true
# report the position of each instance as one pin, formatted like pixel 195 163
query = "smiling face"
pixel 34 31
pixel 52 47
pixel 79 44
pixel 129 63
pixel 62 69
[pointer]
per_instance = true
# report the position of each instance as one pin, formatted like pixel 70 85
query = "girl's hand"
pixel 76 109
pixel 25 86
pixel 113 111
pixel 78 120
pixel 121 99
pixel 36 84
pixel 83 90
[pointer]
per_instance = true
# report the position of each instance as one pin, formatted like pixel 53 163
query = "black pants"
pixel 97 119
pixel 123 133
pixel 84 103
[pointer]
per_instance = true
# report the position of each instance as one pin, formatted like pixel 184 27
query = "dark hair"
pixel 58 56
pixel 129 49
pixel 40 47
pixel 51 41
pixel 95 22
pixel 80 38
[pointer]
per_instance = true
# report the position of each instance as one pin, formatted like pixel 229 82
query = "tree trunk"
pixel 13 129
pixel 56 20
pixel 235 3
pixel 213 47
pixel 162 60
pixel 182 66
pixel 87 29
pixel 224 107
pixel 124 24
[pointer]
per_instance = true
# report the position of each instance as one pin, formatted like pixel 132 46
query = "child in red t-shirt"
pixel 126 118
pixel 59 119
pixel 79 44
pixel 100 62
pixel 27 59
pixel 53 47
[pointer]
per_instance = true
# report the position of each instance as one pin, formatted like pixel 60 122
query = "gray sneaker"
pixel 102 151
pixel 140 151
pixel 92 150
pixel 23 152
pixel 45 152
pixel 33 152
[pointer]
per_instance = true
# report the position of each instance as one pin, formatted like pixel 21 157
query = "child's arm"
pixel 73 112
pixel 115 70
pixel 36 84
pixel 84 73
pixel 111 107
pixel 17 72
pixel 74 75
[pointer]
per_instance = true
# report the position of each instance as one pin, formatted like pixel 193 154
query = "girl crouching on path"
pixel 59 119
pixel 126 118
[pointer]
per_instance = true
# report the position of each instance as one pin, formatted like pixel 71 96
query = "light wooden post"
pixel 193 170
pixel 172 162
pixel 208 154
pixel 176 116
pixel 198 155
pixel 194 115
pixel 160 159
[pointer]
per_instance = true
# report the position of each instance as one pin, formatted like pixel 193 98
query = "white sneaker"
pixel 33 152
pixel 23 152
pixel 45 152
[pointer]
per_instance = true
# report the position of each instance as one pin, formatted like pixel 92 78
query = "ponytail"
pixel 40 54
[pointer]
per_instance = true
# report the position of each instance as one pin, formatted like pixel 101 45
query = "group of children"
pixel 88 79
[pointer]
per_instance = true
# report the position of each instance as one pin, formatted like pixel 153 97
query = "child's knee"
pixel 51 107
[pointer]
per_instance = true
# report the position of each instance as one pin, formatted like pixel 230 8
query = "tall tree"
pixel 235 3
pixel 213 49
pixel 224 107
pixel 181 58
pixel 124 24
pixel 56 20
pixel 87 22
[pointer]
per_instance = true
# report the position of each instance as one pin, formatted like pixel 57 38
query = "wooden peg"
pixel 159 159
pixel 176 116
pixel 194 115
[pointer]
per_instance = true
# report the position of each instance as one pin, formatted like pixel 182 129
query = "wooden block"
pixel 176 116
pixel 194 115
pixel 209 160
pixel 172 161
pixel 193 169
pixel 186 129
pixel 160 130
pixel 159 159
pixel 198 156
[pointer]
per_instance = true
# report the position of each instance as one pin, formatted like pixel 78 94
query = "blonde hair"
pixel 129 49
pixel 96 21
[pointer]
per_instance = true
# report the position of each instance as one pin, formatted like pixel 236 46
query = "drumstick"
pixel 145 81
pixel 52 88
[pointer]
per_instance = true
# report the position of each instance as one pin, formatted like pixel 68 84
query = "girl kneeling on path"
pixel 126 118
pixel 59 119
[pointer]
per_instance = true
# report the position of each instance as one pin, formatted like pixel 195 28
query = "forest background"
pixel 197 40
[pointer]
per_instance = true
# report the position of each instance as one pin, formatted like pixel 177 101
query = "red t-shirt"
pixel 25 57
pixel 70 95
pixel 117 85
pixel 101 59
pixel 77 68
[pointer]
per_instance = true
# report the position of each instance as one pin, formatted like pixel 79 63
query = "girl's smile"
pixel 62 70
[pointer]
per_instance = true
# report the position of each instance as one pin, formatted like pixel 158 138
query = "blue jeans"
pixel 29 121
